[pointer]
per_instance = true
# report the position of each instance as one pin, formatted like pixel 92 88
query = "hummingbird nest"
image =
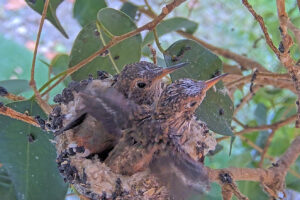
pixel 88 173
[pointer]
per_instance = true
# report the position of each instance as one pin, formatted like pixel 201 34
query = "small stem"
pixel 153 52
pixel 157 41
pixel 99 27
pixel 267 145
pixel 263 127
pixel 32 82
pixel 52 86
pixel 149 7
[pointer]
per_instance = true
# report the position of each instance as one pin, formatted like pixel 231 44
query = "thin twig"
pixel 32 82
pixel 246 99
pixel 17 115
pixel 14 97
pixel 238 122
pixel 267 145
pixel 259 75
pixel 52 86
pixel 153 52
pixel 254 146
pixel 263 127
pixel 149 7
pixel 261 22
pixel 156 38
pixel 100 27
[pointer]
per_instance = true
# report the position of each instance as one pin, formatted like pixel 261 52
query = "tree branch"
pixel 32 82
pixel 267 145
pixel 272 179
pixel 17 115
pixel 261 22
pixel 263 127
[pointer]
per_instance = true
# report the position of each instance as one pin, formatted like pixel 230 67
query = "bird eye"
pixel 141 85
pixel 193 104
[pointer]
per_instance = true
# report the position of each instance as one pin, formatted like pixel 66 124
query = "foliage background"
pixel 226 24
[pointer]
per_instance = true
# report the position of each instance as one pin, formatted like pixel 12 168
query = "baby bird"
pixel 140 82
pixel 151 138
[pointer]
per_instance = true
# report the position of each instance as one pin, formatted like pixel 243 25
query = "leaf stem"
pixel 157 42
pixel 104 43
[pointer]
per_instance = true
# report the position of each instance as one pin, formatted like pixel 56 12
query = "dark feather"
pixel 72 124
pixel 111 108
pixel 183 176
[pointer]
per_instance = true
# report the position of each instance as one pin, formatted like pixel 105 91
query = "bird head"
pixel 183 97
pixel 141 82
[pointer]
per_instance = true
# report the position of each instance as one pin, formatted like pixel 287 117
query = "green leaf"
pixel 252 190
pixel 232 139
pixel 85 11
pixel 7 191
pixel 129 9
pixel 170 25
pixel 30 165
pixel 292 182
pixel 16 87
pixel 215 193
pixel 38 6
pixel 217 108
pixel 88 41
pixel 261 114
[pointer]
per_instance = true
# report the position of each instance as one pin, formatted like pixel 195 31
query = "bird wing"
pixel 111 108
pixel 183 176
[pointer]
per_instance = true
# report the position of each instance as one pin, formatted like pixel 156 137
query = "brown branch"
pixel 17 115
pixel 263 127
pixel 267 145
pixel 153 52
pixel 272 179
pixel 283 52
pixel 14 97
pixel 238 122
pixel 295 30
pixel 260 150
pixel 246 99
pixel 117 39
pixel 261 22
pixel 254 146
pixel 32 82
pixel 227 193
pixel 259 77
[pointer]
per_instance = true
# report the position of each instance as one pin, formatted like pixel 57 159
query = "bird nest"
pixel 90 175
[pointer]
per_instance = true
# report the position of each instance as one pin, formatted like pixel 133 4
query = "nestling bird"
pixel 140 82
pixel 152 137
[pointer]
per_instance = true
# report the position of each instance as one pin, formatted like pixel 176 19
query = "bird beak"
pixel 169 70
pixel 211 82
